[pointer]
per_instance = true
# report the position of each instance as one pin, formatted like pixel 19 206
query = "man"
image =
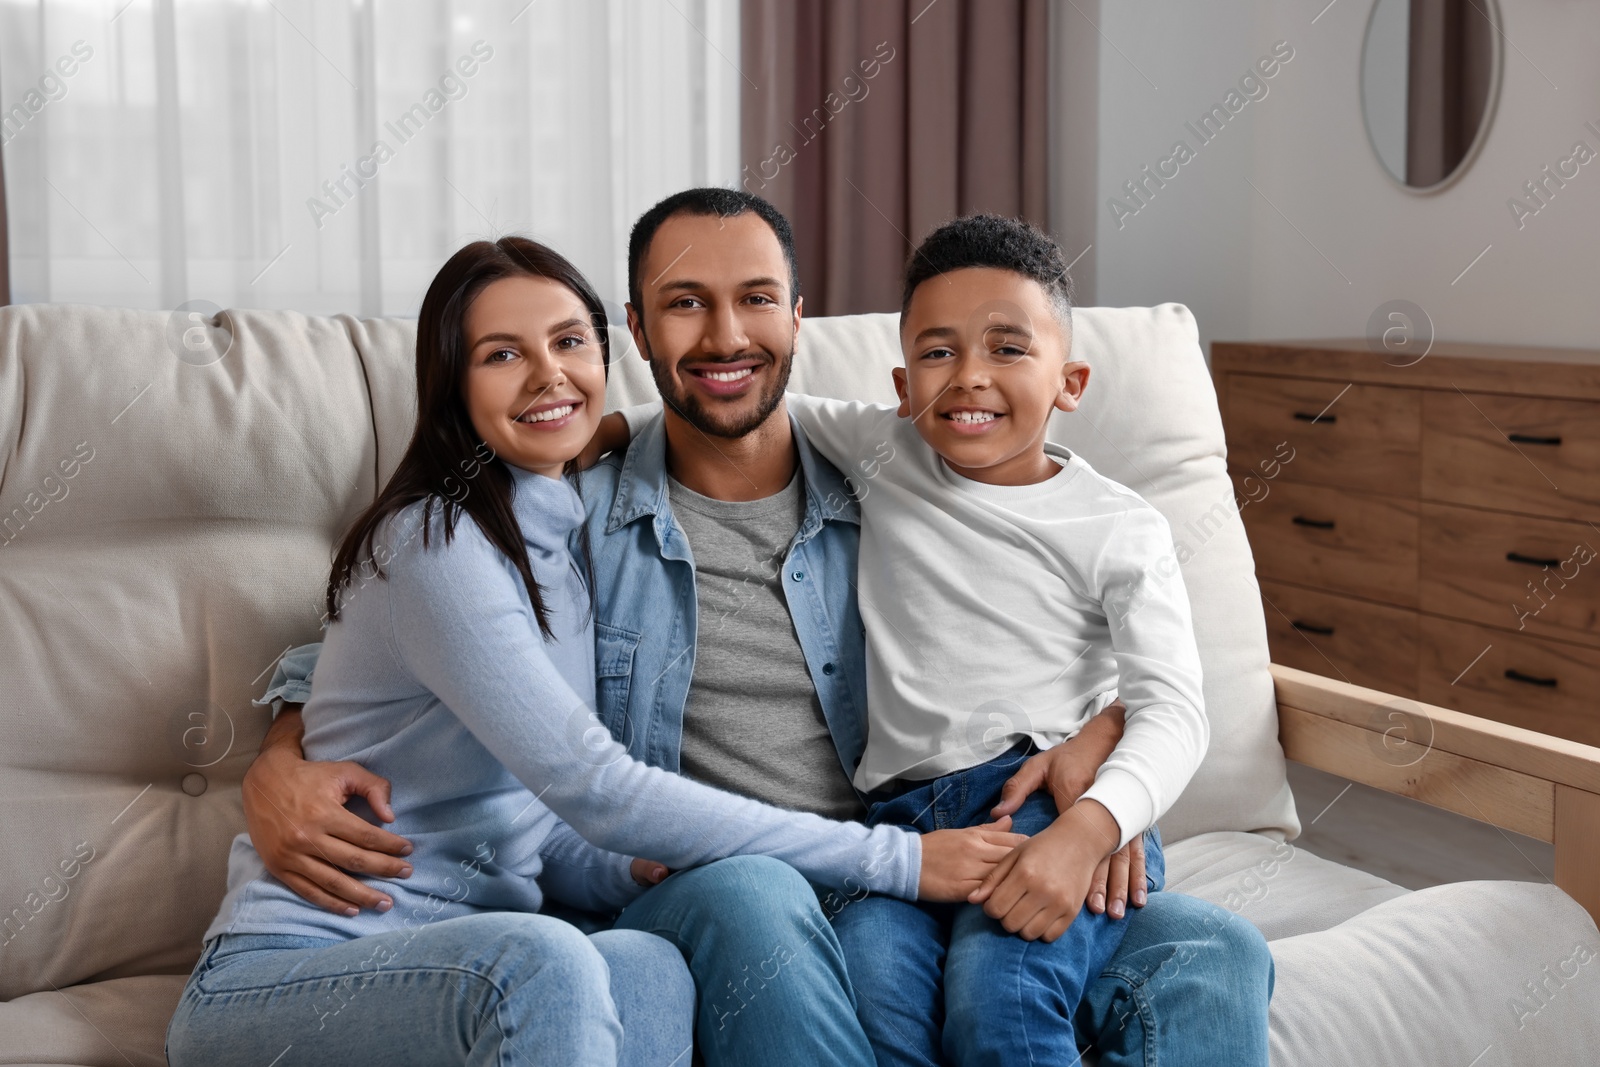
pixel 729 648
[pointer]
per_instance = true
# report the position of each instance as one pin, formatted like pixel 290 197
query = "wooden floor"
pixel 1408 843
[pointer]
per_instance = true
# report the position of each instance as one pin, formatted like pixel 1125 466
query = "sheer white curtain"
pixel 327 155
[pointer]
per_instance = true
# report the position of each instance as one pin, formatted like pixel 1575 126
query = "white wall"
pixel 1212 241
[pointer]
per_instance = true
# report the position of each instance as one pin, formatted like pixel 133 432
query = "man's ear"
pixel 636 329
pixel 903 391
pixel 1074 378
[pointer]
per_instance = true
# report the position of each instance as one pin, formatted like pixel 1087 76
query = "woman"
pixel 459 664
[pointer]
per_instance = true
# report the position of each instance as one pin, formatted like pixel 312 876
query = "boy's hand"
pixel 1068 770
pixel 610 435
pixel 955 862
pixel 1038 889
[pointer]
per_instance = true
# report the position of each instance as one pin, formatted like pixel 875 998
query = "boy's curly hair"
pixel 992 241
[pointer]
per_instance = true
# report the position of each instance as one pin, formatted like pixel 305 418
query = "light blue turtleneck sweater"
pixel 437 678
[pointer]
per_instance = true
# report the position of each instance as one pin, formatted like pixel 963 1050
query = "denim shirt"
pixel 646 610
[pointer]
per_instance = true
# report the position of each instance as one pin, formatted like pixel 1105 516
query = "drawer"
pixel 1524 454
pixel 1538 576
pixel 1351 436
pixel 1340 637
pixel 1336 540
pixel 1532 682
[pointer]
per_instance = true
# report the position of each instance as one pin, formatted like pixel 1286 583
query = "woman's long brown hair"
pixel 447 465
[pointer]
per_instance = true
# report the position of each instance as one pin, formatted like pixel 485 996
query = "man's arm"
pixel 294 810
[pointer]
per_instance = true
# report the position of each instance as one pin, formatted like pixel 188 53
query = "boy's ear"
pixel 636 329
pixel 903 392
pixel 1074 378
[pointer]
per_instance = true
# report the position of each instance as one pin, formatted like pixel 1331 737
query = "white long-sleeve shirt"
pixel 998 612
pixel 995 613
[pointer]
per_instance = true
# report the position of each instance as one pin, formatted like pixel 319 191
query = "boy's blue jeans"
pixel 1005 1000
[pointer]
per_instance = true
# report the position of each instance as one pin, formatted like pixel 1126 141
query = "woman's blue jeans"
pixel 503 989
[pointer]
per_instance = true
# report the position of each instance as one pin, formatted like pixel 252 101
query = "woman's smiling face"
pixel 535 380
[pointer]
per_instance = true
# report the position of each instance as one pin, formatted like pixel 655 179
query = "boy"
pixel 1009 595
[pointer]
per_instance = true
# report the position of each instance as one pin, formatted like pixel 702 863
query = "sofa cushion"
pixel 101 1024
pixel 1281 888
pixel 1471 974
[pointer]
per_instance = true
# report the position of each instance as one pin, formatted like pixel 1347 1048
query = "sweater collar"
pixel 547 509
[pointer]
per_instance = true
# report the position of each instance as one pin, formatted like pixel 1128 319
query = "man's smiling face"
pixel 715 321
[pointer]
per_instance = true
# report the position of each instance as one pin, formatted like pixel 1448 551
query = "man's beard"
pixel 716 424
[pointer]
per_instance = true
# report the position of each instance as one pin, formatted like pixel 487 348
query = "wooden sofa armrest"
pixel 1542 786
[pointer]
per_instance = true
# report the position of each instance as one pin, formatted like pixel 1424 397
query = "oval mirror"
pixel 1430 71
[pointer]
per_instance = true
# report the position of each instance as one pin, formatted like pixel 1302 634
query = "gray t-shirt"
pixel 753 723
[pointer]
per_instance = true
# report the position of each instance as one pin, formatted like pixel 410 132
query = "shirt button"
pixel 798 575
pixel 827 668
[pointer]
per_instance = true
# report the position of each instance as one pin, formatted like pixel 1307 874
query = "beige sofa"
pixel 170 492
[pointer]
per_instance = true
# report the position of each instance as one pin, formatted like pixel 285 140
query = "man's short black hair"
pixel 723 203
pixel 993 241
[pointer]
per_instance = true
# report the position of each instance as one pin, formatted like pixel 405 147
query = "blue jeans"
pixel 773 989
pixel 502 989
pixel 1006 1000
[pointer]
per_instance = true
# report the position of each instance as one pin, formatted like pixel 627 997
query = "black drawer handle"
pixel 1306 416
pixel 1528 679
pixel 1532 561
pixel 1310 628
pixel 1533 439
pixel 1315 524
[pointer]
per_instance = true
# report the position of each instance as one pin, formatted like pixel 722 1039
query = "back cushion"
pixel 170 496
pixel 168 517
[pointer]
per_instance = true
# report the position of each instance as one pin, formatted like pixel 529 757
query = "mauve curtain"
pixel 1451 67
pixel 870 123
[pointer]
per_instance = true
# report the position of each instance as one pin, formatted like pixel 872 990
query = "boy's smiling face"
pixel 986 362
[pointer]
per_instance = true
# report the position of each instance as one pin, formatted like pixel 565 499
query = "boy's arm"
pixel 1067 770
pixel 295 812
pixel 844 431
pixel 1041 888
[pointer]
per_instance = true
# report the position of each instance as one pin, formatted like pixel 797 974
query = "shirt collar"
pixel 642 484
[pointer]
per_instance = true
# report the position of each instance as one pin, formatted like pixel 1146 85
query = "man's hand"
pixel 1068 770
pixel 1037 890
pixel 955 862
pixel 294 810
pixel 1119 881
pixel 610 435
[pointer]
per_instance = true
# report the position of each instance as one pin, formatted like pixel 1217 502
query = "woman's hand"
pixel 955 862
pixel 648 872
pixel 306 837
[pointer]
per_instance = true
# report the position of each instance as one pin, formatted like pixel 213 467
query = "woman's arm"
pixel 577 873
pixel 461 629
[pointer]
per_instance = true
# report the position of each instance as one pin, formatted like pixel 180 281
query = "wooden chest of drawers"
pixel 1432 530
